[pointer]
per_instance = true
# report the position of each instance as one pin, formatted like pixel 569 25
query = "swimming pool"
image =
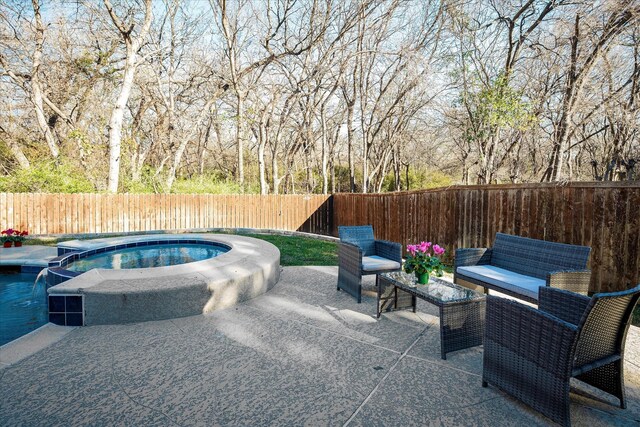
pixel 22 308
pixel 160 255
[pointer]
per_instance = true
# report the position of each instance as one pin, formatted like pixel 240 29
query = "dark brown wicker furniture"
pixel 518 266
pixel 532 354
pixel 461 309
pixel 360 254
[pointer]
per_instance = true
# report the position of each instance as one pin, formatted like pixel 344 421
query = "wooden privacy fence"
pixel 116 213
pixel 604 216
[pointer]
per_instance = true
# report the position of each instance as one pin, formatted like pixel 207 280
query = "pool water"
pixel 147 257
pixel 23 308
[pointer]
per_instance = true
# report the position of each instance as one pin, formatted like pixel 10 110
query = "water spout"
pixel 40 284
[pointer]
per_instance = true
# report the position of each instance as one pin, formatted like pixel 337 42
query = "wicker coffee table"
pixel 462 310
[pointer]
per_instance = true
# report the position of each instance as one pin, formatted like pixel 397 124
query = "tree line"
pixel 290 96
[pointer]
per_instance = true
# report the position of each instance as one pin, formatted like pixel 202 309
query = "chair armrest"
pixel 349 255
pixel 534 335
pixel 471 256
pixel 570 280
pixel 565 305
pixel 389 250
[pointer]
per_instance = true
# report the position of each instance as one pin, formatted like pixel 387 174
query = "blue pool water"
pixel 22 308
pixel 147 256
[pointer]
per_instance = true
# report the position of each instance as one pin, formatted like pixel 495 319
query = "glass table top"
pixel 437 290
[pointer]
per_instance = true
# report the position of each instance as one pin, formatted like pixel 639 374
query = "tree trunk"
pixel 116 120
pixel 352 164
pixel 365 161
pixel 36 88
pixel 275 174
pixel 325 149
pixel 239 142
pixel 18 153
pixel 262 142
pixel 397 177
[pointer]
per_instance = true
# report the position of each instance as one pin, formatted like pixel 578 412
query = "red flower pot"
pixel 17 244
pixel 6 244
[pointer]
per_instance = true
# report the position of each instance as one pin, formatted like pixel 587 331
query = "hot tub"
pixel 227 269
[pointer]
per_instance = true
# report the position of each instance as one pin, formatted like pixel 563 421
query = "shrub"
pixel 46 177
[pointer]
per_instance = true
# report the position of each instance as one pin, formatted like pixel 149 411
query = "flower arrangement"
pixel 11 236
pixel 423 260
pixel 6 237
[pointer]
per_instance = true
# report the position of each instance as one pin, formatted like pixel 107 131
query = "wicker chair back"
pixel 359 235
pixel 604 326
pixel 537 258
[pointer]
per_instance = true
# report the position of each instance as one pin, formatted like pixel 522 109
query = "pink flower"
pixel 438 250
pixel 412 249
pixel 424 246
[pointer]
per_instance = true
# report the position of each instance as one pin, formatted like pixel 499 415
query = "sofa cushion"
pixel 377 263
pixel 508 280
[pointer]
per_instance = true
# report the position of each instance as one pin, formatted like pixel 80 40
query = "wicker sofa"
pixel 518 266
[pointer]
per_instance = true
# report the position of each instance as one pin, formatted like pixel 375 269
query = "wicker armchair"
pixel 360 254
pixel 532 354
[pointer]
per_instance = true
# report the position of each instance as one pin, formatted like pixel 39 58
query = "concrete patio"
pixel 302 354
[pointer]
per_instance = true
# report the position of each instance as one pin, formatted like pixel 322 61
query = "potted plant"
pixel 19 237
pixel 6 237
pixel 423 260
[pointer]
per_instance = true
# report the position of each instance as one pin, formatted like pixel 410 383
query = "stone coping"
pixel 29 255
pixel 249 269
pixel 31 343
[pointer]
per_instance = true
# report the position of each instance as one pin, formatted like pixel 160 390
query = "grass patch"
pixel 297 251
pixel 294 251
pixel 635 319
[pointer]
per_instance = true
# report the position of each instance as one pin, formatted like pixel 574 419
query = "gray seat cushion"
pixel 377 263
pixel 508 280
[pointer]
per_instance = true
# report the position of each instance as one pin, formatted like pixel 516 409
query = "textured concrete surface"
pixel 301 354
pixel 34 255
pixel 31 343
pixel 250 268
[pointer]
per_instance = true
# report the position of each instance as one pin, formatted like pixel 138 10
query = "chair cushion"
pixel 514 282
pixel 377 263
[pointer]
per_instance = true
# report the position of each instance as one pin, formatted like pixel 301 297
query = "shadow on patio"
pixel 301 354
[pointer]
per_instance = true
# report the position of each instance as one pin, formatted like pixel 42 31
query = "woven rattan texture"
pixel 561 266
pixel 537 258
pixel 356 242
pixel 532 354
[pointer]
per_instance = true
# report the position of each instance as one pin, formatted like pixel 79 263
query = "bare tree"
pixel 132 44
pixel 580 65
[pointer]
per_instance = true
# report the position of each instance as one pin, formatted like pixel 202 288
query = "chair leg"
pixel 350 282
pixel 608 378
